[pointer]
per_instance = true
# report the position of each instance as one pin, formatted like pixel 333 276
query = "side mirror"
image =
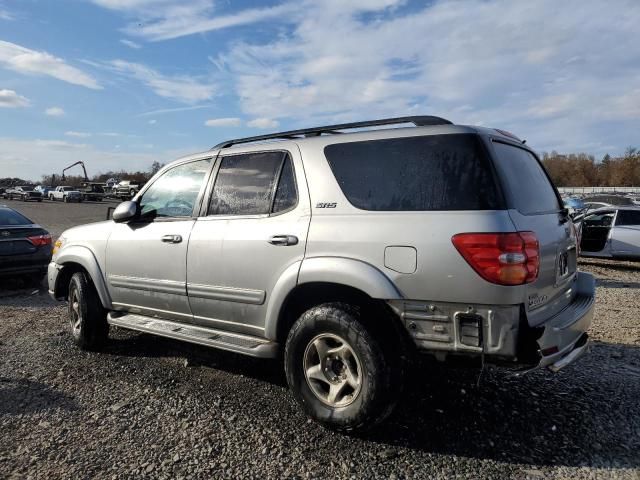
pixel 125 211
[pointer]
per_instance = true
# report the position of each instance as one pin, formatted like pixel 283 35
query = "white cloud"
pixel 548 77
pixel 263 123
pixel 223 122
pixel 4 15
pixel 54 112
pixel 10 99
pixel 27 61
pixel 153 121
pixel 179 87
pixel 72 133
pixel 130 44
pixel 173 110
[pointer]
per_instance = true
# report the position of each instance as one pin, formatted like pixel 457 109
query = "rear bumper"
pixel 501 332
pixel 25 264
pixel 565 338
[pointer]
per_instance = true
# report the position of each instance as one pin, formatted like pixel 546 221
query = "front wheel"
pixel 87 317
pixel 337 369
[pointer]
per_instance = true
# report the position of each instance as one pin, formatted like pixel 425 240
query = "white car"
pixel 611 232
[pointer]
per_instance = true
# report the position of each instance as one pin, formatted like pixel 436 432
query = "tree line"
pixel 77 180
pixel 582 170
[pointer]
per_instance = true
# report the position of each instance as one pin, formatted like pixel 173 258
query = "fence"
pixel 574 190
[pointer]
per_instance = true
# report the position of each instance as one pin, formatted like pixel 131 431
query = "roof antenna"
pixel 524 141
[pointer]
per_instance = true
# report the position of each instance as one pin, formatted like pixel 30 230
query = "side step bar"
pixel 233 342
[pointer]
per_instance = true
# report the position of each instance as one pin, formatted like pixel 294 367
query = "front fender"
pixel 84 257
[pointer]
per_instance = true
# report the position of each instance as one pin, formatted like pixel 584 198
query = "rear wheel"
pixel 87 318
pixel 338 370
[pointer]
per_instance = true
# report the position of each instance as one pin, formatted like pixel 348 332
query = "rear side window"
pixel 435 172
pixel 253 184
pixel 529 188
pixel 628 217
pixel 11 218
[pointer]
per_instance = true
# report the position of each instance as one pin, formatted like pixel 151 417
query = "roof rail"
pixel 418 121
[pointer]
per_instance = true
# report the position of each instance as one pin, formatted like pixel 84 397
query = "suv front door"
pixel 146 258
pixel 254 229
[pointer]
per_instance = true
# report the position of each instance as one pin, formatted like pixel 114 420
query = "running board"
pixel 233 342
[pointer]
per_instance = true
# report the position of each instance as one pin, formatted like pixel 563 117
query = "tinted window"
pixel 26 189
pixel 11 217
pixel 530 190
pixel 175 192
pixel 603 219
pixel 245 184
pixel 628 217
pixel 286 196
pixel 436 172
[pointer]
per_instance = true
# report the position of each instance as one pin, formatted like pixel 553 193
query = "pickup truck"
pixel 126 189
pixel 66 194
pixel 92 191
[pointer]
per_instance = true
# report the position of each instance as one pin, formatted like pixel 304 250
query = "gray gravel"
pixel 154 408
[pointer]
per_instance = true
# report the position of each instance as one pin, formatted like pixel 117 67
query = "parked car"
pixel 611 232
pixel 92 191
pixel 596 205
pixel 25 247
pixel 65 194
pixel 44 190
pixel 126 189
pixel 112 182
pixel 575 206
pixel 24 193
pixel 347 253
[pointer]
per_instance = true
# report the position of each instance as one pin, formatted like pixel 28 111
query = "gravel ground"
pixel 153 408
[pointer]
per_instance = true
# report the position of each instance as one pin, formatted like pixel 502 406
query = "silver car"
pixel 611 232
pixel 346 251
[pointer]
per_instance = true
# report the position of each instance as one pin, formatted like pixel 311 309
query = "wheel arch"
pixel 79 258
pixel 327 279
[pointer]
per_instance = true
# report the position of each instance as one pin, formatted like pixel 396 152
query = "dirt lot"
pixel 148 407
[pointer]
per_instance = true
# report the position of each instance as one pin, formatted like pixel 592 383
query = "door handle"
pixel 171 238
pixel 283 240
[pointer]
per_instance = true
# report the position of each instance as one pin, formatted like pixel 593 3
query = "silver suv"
pixel 346 252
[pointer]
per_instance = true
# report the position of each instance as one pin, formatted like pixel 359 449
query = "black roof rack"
pixel 418 121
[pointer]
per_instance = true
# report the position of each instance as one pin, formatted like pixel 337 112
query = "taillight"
pixel 502 258
pixel 40 240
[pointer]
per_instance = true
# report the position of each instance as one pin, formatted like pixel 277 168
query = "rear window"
pixel 435 172
pixel 527 184
pixel 11 217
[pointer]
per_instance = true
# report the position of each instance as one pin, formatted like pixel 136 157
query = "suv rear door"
pixel 534 205
pixel 254 229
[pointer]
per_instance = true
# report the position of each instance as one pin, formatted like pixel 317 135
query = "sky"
pixel 120 84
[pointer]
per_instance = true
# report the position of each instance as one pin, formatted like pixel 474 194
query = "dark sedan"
pixel 25 247
pixel 24 193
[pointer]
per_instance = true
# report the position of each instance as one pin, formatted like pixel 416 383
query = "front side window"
pixel 174 194
pixel 246 185
pixel 603 219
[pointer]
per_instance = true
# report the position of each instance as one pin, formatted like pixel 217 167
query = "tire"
pixel 87 318
pixel 39 200
pixel 362 375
